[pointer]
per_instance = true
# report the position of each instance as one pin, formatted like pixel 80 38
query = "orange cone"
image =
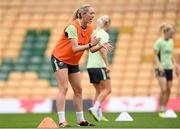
pixel 47 122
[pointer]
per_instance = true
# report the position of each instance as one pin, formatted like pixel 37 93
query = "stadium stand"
pixel 30 29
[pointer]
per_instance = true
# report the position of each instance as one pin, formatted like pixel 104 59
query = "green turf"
pixel 141 120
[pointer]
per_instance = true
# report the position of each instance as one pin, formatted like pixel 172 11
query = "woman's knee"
pixel 78 91
pixel 106 87
pixel 98 92
pixel 98 89
pixel 168 90
pixel 163 91
pixel 109 90
pixel 63 90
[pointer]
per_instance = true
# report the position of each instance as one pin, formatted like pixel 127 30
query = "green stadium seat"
pixel 33 67
pixel 24 52
pixel 6 68
pixel 44 75
pixel 32 33
pixel 40 47
pixel 27 46
pixel 36 60
pixel 37 53
pixel 53 82
pixel 45 32
pixel 113 34
pixel 46 67
pixel 4 75
pixel 30 36
pixel 7 61
pixel 7 65
pixel 42 39
pixel 20 68
pixel 23 60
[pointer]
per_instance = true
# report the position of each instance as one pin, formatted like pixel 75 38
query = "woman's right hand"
pixel 108 69
pixel 94 41
pixel 177 70
pixel 107 46
pixel 161 68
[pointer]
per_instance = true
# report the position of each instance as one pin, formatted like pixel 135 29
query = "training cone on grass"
pixel 170 114
pixel 47 122
pixel 124 116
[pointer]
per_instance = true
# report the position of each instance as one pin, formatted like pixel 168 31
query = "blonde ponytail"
pixel 81 10
pixel 168 28
pixel 102 21
pixel 162 26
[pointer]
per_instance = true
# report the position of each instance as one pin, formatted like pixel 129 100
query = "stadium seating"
pixel 30 29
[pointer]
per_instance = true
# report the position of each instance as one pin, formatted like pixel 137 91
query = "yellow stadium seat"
pixel 2 84
pixel 30 76
pixel 42 84
pixel 14 83
pixel 27 83
pixel 9 92
pixel 24 93
pixel 16 76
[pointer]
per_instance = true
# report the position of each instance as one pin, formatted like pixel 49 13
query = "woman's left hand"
pixel 107 46
pixel 177 70
pixel 95 41
pixel 107 69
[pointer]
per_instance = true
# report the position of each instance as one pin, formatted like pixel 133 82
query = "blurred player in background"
pixel 98 68
pixel 164 61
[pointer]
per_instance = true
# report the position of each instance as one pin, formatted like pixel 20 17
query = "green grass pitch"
pixel 141 120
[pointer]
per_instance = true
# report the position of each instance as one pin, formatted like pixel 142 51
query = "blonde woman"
pixel 98 68
pixel 75 39
pixel 65 57
pixel 164 60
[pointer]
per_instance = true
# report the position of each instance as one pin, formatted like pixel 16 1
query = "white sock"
pixel 96 105
pixel 100 113
pixel 61 116
pixel 161 108
pixel 80 116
